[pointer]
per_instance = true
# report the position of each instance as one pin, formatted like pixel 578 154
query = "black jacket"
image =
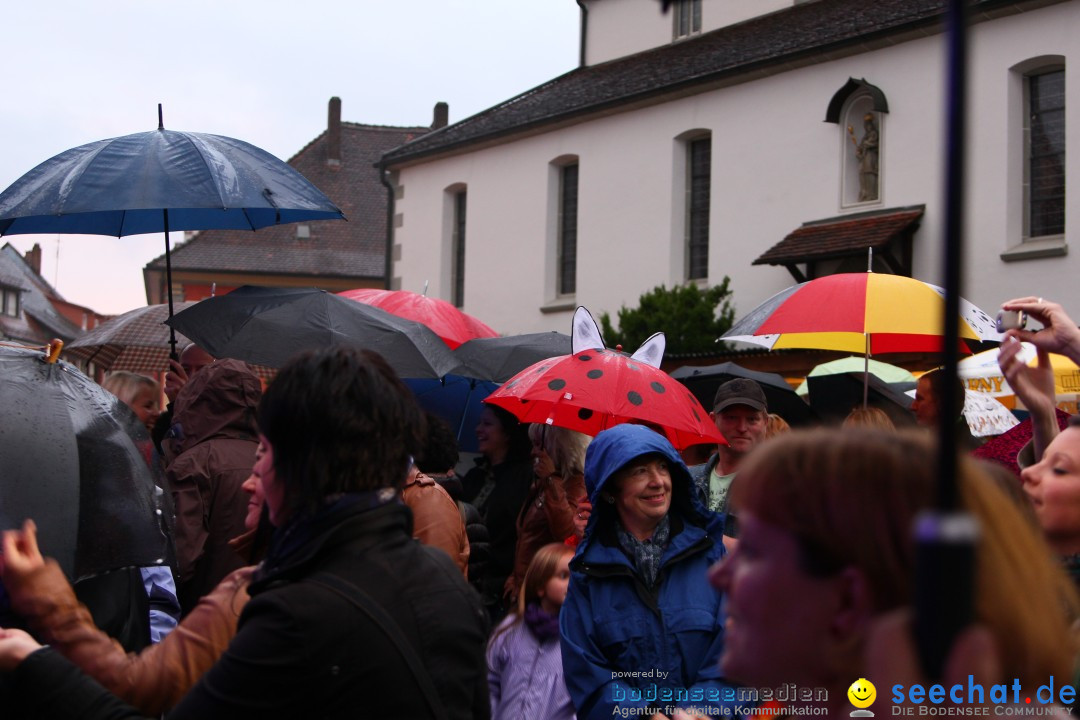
pixel 302 651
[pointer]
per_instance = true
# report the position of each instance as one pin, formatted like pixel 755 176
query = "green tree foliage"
pixel 690 318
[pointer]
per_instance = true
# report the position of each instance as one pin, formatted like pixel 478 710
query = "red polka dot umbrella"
pixel 452 325
pixel 595 389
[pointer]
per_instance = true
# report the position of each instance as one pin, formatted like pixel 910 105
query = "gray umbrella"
pixel 268 326
pixel 71 458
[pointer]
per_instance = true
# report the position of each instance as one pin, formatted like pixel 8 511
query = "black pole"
pixel 954 240
pixel 945 537
pixel 168 287
pixel 160 121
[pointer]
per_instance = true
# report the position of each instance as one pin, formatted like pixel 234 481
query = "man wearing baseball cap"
pixel 740 412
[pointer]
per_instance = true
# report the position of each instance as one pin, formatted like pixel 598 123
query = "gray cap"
pixel 740 391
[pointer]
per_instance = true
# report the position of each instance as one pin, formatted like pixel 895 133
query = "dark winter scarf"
pixel 543 624
pixel 299 532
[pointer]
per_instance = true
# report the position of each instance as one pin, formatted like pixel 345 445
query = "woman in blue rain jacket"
pixel 641 628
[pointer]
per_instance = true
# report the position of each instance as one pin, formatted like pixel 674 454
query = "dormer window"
pixel 687 18
pixel 9 302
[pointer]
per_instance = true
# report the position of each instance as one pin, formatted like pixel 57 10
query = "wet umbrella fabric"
pixel 867 313
pixel 137 341
pixel 457 400
pixel 483 364
pixel 121 186
pixel 500 358
pixel 781 398
pixel 160 181
pixel 447 321
pixel 268 326
pixel 596 389
pixel 834 395
pixel 70 461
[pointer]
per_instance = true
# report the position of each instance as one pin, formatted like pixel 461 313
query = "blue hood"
pixel 613 448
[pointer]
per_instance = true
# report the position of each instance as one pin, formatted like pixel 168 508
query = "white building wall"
pixel 617 28
pixel 776 164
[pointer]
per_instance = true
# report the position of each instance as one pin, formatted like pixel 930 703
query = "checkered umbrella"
pixel 137 341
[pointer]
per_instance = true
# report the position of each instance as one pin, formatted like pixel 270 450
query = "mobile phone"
pixel 1011 320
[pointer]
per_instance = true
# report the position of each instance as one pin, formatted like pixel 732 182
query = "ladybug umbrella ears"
pixel 586 336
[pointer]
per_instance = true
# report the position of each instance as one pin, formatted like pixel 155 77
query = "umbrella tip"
pixel 52 352
pixel 160 121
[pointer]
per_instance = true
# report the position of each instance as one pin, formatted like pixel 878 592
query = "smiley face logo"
pixel 862 693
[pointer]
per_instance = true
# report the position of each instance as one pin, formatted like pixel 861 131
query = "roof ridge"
pixel 799 34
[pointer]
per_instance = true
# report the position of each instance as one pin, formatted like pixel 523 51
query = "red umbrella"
pixel 592 390
pixel 445 320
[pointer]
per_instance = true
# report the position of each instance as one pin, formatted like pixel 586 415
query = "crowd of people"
pixel 331 561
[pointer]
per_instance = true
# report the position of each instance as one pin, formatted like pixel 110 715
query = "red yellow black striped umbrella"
pixel 869 313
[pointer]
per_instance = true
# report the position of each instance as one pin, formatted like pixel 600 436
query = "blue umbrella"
pixel 458 400
pixel 483 365
pixel 160 181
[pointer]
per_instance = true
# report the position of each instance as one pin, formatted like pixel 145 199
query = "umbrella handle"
pixel 944 584
pixel 52 351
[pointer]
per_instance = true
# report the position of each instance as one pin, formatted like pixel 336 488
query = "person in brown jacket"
pixel 548 513
pixel 436 520
pixel 152 680
pixel 212 445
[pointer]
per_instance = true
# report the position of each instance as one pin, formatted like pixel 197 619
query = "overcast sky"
pixel 261 71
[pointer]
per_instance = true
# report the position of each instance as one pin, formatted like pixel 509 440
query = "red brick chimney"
pixel 442 116
pixel 33 258
pixel 333 133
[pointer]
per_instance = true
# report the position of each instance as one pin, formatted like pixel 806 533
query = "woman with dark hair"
pixel 348 615
pixel 497 487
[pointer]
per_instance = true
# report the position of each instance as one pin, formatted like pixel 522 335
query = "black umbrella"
pixel 782 398
pixel 268 326
pixel 500 358
pixel 70 459
pixel 834 396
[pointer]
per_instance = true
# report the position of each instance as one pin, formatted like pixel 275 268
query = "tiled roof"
pixel 38 321
pixel 782 40
pixel 843 236
pixel 352 248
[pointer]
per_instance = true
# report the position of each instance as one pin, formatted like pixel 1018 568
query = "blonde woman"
pixel 826 550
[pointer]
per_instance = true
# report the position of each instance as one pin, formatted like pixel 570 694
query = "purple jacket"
pixel 525 676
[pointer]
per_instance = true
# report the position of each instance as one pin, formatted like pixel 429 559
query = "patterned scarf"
pixel 646 554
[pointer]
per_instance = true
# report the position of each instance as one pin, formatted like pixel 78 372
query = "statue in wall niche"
pixel 866 152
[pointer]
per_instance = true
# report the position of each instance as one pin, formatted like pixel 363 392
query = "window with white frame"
pixel 567 230
pixel 1044 154
pixel 698 188
pixel 687 18
pixel 9 302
